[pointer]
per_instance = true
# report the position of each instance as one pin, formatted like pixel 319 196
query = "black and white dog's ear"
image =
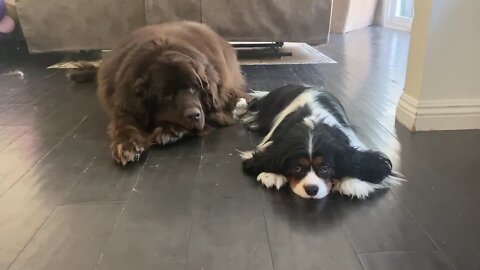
pixel 255 162
pixel 373 166
pixel 369 166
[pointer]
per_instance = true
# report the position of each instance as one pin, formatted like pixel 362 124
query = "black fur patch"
pixel 268 107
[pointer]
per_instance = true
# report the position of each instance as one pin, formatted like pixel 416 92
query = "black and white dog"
pixel 310 144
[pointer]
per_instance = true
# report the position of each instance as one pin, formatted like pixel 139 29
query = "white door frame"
pixel 391 20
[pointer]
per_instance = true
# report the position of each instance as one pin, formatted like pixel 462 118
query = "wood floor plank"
pixel 153 232
pixel 381 224
pixel 28 204
pixel 76 236
pixel 9 134
pixel 405 261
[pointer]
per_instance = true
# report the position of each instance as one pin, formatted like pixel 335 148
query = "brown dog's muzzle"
pixel 185 110
pixel 190 108
pixel 194 117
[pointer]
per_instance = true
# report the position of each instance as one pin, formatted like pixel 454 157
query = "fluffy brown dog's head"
pixel 174 96
pixel 177 89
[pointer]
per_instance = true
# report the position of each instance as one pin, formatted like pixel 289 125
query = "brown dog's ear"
pixel 211 86
pixel 206 74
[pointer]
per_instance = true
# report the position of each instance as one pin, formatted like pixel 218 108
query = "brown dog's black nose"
pixel 311 190
pixel 192 115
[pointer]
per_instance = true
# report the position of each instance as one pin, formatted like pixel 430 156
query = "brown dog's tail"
pixel 82 72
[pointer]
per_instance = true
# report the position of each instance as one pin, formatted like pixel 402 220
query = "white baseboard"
pixel 458 114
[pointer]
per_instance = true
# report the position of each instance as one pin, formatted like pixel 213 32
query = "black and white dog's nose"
pixel 311 190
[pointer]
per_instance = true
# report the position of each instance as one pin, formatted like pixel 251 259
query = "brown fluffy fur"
pixel 209 60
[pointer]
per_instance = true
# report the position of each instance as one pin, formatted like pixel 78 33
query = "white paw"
pixel 354 187
pixel 241 108
pixel 169 138
pixel 164 136
pixel 271 179
pixel 246 154
pixel 242 103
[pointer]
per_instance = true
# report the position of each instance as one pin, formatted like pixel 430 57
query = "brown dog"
pixel 164 81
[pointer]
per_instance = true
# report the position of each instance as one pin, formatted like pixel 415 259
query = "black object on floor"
pixel 260 50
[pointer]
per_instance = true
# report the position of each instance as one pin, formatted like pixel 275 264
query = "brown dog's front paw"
pixel 124 152
pixel 167 135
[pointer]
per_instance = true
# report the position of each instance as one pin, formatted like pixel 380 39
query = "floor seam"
pixel 18 137
pixel 351 242
pixel 92 203
pixel 31 238
pixel 44 156
pixel 397 251
pixel 268 236
pixel 190 229
pixel 407 211
pixel 424 231
pixel 54 209
pixel 121 214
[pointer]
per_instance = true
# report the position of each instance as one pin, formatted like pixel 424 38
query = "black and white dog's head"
pixel 310 145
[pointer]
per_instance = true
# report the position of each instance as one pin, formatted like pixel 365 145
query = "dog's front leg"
pixel 129 140
pixel 166 134
pixel 272 180
pixel 254 163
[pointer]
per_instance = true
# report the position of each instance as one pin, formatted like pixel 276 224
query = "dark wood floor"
pixel 65 205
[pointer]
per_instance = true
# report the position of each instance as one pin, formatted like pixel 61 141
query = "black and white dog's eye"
pixel 324 168
pixel 169 97
pixel 298 169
